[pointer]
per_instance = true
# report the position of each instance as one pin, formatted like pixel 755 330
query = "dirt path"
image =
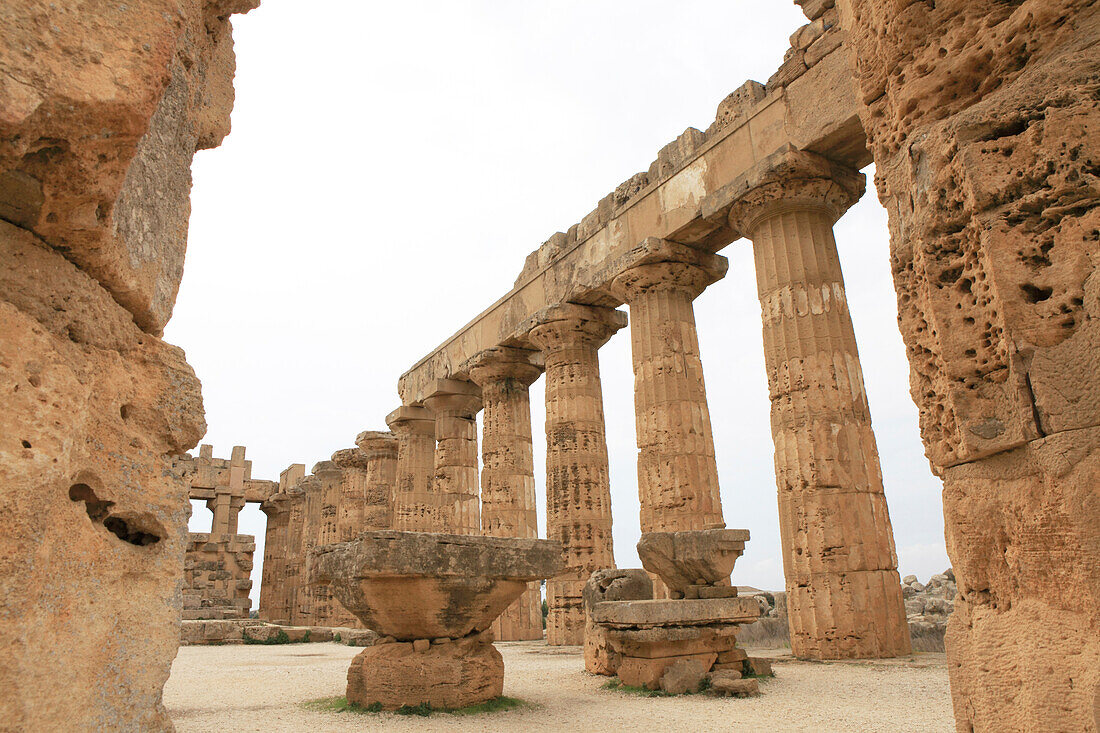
pixel 260 688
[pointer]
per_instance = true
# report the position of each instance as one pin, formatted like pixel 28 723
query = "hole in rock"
pixel 96 508
pixel 1034 293
pixel 99 511
pixel 26 443
pixel 124 411
pixel 122 529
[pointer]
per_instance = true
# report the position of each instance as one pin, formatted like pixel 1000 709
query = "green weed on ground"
pixel 615 684
pixel 341 705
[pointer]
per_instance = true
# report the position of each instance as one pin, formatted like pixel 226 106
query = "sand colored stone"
pixel 984 134
pixel 416 507
pixel 600 655
pixel 843 589
pixel 508 472
pixel 455 405
pixel 433 597
pixel 370 474
pixel 218 564
pixel 692 558
pixel 279 580
pixel 450 675
pixel 677 471
pixel 578 490
pixel 98 125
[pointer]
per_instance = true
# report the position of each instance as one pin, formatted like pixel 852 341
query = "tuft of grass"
pixel 336 637
pixel 279 638
pixel 341 705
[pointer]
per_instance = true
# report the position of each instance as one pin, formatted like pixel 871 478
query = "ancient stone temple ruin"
pixel 981 118
pixel 218 564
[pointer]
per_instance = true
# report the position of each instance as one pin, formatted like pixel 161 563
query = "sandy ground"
pixel 260 688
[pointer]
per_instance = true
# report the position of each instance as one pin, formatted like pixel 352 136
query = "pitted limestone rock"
pixel 700 557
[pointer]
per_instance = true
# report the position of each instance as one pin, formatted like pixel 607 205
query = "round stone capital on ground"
pixel 793 180
pixel 502 364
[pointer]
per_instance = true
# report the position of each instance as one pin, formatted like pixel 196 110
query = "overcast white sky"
pixel 391 165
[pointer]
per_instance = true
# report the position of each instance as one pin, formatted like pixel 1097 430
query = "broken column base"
pixel 673 645
pixel 444 673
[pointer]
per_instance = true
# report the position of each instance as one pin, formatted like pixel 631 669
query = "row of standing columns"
pixel 843 591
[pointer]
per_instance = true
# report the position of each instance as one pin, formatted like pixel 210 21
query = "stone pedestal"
pixel 677 472
pixel 578 492
pixel 508 472
pixel 217 572
pixel 843 588
pixel 416 507
pixel 455 405
pixel 432 597
pixel 671 644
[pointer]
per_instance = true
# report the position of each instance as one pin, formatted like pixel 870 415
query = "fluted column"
pixel 455 405
pixel 677 471
pixel 324 608
pixel 369 484
pixel 416 507
pixel 843 591
pixel 508 470
pixel 309 515
pixel 578 490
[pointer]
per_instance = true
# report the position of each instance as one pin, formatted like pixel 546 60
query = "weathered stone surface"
pixel 103 108
pixel 982 117
pixel 698 557
pixel 639 672
pixel 725 685
pixel 416 585
pixel 508 471
pixel 677 469
pixel 94 511
pixel 683 676
pixel 676 613
pixel 455 404
pixel 416 507
pixel 445 676
pixel 277 585
pixel 578 488
pixel 600 657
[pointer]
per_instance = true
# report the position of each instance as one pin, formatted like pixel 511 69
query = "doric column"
pixel 273 580
pixel 677 472
pixel 843 591
pixel 295 565
pixel 325 511
pixel 578 490
pixel 369 485
pixel 508 470
pixel 416 507
pixel 455 405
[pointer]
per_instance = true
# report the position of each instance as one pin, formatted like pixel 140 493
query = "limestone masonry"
pixel 981 117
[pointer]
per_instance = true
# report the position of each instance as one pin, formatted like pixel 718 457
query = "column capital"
pixel 374 444
pixel 454 396
pixel 501 363
pixel 323 467
pixel 410 420
pixel 668 265
pixel 569 325
pixel 791 180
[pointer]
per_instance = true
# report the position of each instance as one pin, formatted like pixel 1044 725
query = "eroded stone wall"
pixel 102 106
pixel 983 120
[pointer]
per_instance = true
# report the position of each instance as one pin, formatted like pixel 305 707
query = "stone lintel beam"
pixel 455 404
pixel 680 199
